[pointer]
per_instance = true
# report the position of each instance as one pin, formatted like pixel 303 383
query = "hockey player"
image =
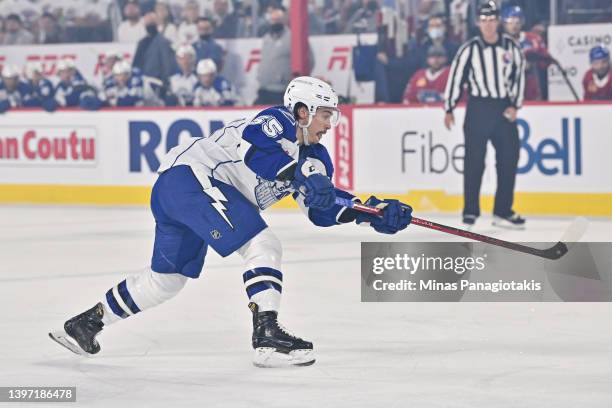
pixel 72 90
pixel 126 88
pixel 212 89
pixel 13 91
pixel 42 94
pixel 183 82
pixel 110 59
pixel 209 193
pixel 533 47
pixel 597 81
pixel 427 84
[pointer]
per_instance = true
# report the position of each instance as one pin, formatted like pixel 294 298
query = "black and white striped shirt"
pixel 489 70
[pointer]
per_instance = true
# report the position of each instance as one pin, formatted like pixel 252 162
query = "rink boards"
pixel 110 156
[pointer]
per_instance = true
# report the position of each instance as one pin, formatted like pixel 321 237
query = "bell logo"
pixel 550 156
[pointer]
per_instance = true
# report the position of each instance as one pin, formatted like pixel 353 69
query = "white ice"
pixel 195 350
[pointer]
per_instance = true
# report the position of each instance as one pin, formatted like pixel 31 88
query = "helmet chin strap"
pixel 305 130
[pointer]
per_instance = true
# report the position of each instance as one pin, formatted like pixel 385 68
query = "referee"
pixel 492 66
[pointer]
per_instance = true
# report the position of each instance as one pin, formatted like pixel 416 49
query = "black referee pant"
pixel 484 121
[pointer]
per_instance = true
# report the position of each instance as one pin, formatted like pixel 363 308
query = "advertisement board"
pixel 570 45
pixel 399 149
pixel 332 61
pixel 110 156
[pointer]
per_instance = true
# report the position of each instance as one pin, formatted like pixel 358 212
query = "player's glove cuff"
pixel 317 189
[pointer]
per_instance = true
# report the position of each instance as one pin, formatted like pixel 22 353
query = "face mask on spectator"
pixel 276 28
pixel 435 33
pixel 151 29
pixel 205 37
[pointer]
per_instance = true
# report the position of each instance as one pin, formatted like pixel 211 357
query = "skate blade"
pixel 267 357
pixel 62 338
pixel 508 225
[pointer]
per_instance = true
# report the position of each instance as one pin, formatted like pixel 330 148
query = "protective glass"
pixel 329 114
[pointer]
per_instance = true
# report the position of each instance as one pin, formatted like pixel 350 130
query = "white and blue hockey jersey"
pixel 14 98
pixel 40 92
pixel 250 154
pixel 69 93
pixel 182 86
pixel 220 93
pixel 131 94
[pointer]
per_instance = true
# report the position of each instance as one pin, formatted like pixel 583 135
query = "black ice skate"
pixel 274 345
pixel 513 221
pixel 79 334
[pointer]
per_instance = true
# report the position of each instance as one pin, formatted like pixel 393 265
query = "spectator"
pixel 28 11
pixel 164 21
pixel 459 19
pixel 421 10
pixel 226 23
pixel 212 89
pixel 274 70
pixel 363 20
pixel 132 29
pixel 1 29
pixel 395 63
pixel 72 90
pixel 263 24
pixel 110 59
pixel 86 21
pixel 535 51
pixel 41 89
pixel 188 31
pixel 435 34
pixel 49 31
pixel 206 46
pixel 246 25
pixel 597 81
pixel 183 82
pixel 14 33
pixel 316 25
pixel 13 91
pixel 154 55
pixel 427 84
pixel 126 89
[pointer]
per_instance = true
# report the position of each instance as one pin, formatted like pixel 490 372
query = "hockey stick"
pixel 567 81
pixel 572 234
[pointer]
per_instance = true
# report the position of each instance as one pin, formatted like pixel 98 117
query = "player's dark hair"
pixel 296 108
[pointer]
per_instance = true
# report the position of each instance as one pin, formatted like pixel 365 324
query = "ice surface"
pixel 195 349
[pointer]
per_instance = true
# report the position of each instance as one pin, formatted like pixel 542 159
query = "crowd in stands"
pixel 178 62
pixel 52 22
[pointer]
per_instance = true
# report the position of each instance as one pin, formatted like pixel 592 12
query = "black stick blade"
pixel 554 252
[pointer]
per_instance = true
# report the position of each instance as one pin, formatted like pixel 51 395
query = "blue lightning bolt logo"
pixel 218 199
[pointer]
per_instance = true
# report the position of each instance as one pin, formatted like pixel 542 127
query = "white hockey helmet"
pixel 122 67
pixel 116 54
pixel 33 67
pixel 206 66
pixel 314 93
pixel 10 71
pixel 185 50
pixel 66 63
